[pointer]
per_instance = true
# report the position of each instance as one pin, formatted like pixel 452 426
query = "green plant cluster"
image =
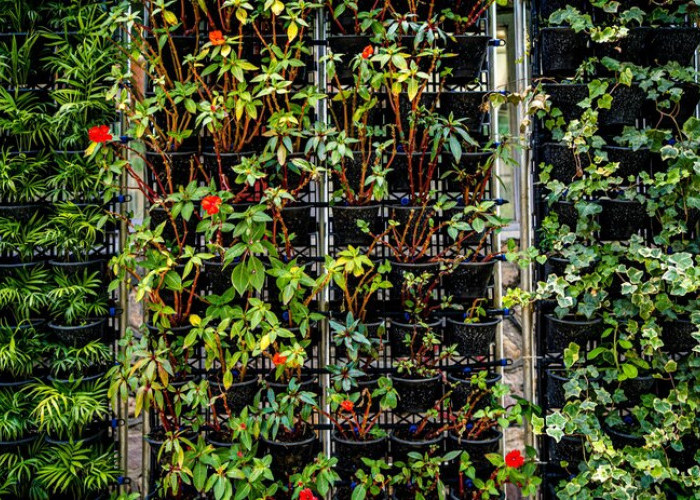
pixel 55 232
pixel 221 100
pixel 618 249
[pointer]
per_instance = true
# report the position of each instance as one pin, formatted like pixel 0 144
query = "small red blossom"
pixel 211 204
pixel 278 359
pixel 99 134
pixel 514 459
pixel 240 455
pixel 216 38
pixel 347 405
pixel 367 53
pixel 244 426
pixel 306 494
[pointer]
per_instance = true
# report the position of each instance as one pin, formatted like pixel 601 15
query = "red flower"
pixel 216 38
pixel 367 53
pixel 278 359
pixel 100 134
pixel 347 405
pixel 210 204
pixel 244 426
pixel 515 459
pixel 240 455
pixel 306 494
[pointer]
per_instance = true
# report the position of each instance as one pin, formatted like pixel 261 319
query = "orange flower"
pixel 347 405
pixel 514 459
pixel 216 38
pixel 211 204
pixel 99 134
pixel 367 53
pixel 278 359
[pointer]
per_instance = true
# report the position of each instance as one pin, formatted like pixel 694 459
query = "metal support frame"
pixel 492 31
pixel 323 224
pixel 522 78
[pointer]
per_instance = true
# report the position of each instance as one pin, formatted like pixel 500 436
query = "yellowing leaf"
pixel 292 31
pixel 241 15
pixel 277 7
pixel 225 50
pixel 195 320
pixel 264 342
pixel 169 17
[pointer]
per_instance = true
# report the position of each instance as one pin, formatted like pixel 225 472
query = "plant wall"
pixel 616 161
pixel 57 325
pixel 258 348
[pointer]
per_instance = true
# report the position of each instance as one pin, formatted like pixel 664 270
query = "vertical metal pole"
pixel 323 220
pixel 522 84
pixel 496 187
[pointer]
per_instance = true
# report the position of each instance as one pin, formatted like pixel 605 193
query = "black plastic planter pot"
pixel 74 267
pixel 625 109
pixel 399 331
pixel 566 213
pixel 620 219
pixel 397 275
pixel 91 436
pixel 556 378
pixel 622 439
pixel 402 444
pixel 346 230
pixel 417 395
pixel 633 48
pixel 427 100
pixel 404 167
pixel 477 449
pixel 182 166
pixel 472 339
pixel 470 54
pixel 470 106
pixel 463 391
pixel 178 228
pixel 300 224
pixel 555 265
pixel 216 279
pixel 631 162
pixel 469 279
pixel 569 449
pixel 228 161
pixel 18 445
pixel 290 457
pixel 562 51
pixel 635 388
pixel 562 331
pixel 564 162
pixel 307 383
pixel 350 452
pixel 349 46
pixel 77 336
pixel 20 212
pixel 456 175
pixel 674 44
pixel 237 396
pixel 677 336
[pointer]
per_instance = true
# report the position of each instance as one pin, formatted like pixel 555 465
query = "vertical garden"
pixel 58 316
pixel 617 195
pixel 312 262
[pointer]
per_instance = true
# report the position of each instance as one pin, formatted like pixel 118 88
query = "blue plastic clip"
pixel 497 42
pixel 405 201
pixel 466 370
pixel 120 480
pixel 124 139
pixel 112 312
pixel 115 423
pixel 503 362
pixel 353 485
pixel 413 428
pixel 285 315
pixel 506 311
pixel 121 198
